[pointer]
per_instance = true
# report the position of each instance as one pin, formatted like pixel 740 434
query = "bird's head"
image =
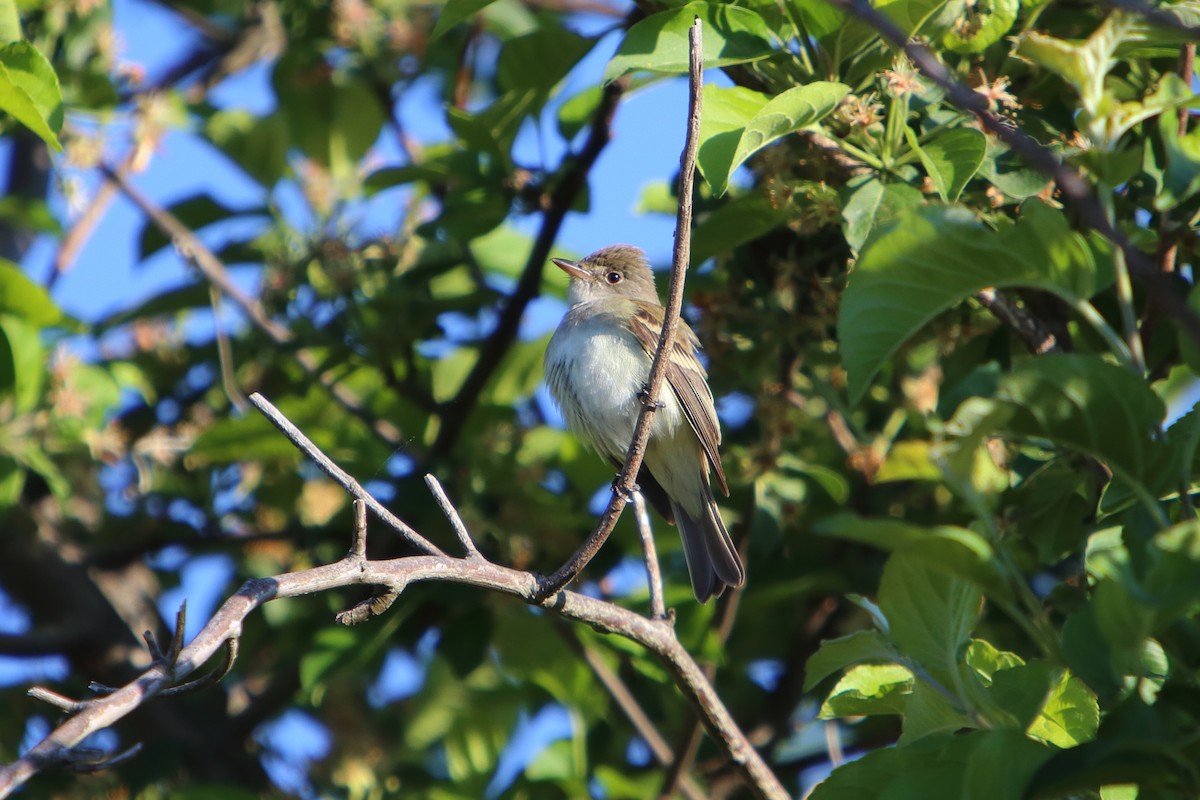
pixel 617 271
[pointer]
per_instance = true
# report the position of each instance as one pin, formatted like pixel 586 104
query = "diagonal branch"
pixel 491 352
pixel 624 485
pixel 1070 183
pixel 214 271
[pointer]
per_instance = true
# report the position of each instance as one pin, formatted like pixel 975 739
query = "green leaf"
pixel 1083 402
pixel 10 22
pixel 930 614
pixel 951 159
pixel 539 60
pixel 454 12
pixel 741 220
pixel 23 298
pixel 333 116
pixel 869 689
pixel 228 441
pixel 1002 763
pixel 1181 178
pixel 258 145
pixel 930 713
pixel 939 256
pixel 736 124
pixel 22 363
pixel 873 206
pixel 196 212
pixel 982 24
pixel 956 552
pixel 659 43
pixel 29 91
pixel 1070 716
pixel 837 654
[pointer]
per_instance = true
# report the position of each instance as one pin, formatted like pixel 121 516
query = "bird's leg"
pixel 644 396
pixel 629 493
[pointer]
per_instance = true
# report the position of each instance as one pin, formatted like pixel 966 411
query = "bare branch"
pixel 343 479
pixel 398 574
pixel 358 545
pixel 1036 336
pixel 59 701
pixel 460 530
pixel 658 609
pixel 658 369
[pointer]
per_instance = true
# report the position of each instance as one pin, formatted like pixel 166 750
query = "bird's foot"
pixel 621 490
pixel 647 400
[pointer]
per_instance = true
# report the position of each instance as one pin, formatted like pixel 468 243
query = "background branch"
pixel 1070 183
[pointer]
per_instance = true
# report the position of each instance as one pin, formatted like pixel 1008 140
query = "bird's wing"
pixel 687 378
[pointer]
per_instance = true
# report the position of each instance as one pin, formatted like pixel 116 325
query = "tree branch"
pixel 456 410
pixel 624 485
pixel 196 253
pixel 1070 183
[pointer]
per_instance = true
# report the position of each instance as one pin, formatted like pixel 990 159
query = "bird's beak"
pixel 572 268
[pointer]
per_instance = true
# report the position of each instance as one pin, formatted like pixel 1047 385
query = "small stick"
pixel 358 545
pixel 658 609
pixel 60 701
pixel 460 530
pixel 343 479
pixel 213 677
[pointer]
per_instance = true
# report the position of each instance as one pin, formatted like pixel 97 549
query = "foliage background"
pixel 1001 546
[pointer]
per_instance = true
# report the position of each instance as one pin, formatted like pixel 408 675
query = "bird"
pixel 597 369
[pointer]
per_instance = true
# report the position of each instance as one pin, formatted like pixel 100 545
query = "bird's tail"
pixel 712 560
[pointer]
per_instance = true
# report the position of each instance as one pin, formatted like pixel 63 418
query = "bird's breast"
pixel 596 370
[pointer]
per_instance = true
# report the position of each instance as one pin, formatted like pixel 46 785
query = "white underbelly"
pixel 597 378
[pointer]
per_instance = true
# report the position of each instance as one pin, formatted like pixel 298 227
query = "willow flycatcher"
pixel 597 367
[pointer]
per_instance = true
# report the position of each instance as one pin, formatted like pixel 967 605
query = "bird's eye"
pixel 614 277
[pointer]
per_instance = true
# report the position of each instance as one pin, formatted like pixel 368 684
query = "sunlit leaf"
pixel 738 123
pixel 939 257
pixel 659 43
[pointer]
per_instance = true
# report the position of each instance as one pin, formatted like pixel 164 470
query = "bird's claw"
pixel 621 490
pixel 647 400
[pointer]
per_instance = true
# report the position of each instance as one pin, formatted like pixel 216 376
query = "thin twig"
pixel 460 530
pixel 59 701
pixel 1037 337
pixel 358 542
pixel 629 705
pixel 215 676
pixel 730 602
pixel 1075 190
pixel 91 760
pixel 658 369
pixel 196 253
pixel 658 609
pixel 340 476
pixel 177 638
